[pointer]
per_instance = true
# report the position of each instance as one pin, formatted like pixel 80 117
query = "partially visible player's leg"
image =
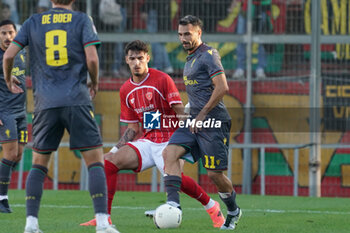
pixel 215 164
pixel 194 190
pixel 7 164
pixel 172 170
pixel 85 136
pixel 34 189
pixel 13 136
pixel 97 185
pixel 126 158
pixel 47 134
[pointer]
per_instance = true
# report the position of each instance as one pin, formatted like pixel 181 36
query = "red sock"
pixel 192 189
pixel 111 176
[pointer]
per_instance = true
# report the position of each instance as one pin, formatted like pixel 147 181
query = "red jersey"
pixel 156 92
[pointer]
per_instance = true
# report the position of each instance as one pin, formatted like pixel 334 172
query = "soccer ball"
pixel 167 216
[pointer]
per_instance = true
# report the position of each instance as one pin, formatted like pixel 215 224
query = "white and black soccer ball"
pixel 167 216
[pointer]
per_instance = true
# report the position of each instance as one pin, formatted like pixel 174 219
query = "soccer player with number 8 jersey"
pixel 62 45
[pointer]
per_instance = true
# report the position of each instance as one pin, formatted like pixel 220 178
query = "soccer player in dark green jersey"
pixel 62 45
pixel 13 123
pixel 208 134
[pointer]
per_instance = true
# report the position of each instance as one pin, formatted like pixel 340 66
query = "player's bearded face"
pixel 138 62
pixel 190 36
pixel 7 34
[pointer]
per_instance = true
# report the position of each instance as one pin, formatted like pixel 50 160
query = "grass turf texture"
pixel 62 211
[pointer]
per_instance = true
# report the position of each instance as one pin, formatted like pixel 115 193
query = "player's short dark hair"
pixel 136 45
pixel 7 22
pixel 191 19
pixel 62 2
pixel 5 5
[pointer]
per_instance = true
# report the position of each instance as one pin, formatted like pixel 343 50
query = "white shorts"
pixel 149 153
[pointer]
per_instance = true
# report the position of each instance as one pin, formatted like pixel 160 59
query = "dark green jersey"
pixel 201 66
pixel 13 103
pixel 56 40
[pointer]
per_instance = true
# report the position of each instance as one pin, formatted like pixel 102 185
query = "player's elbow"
pixel 225 89
pixel 7 57
pixel 92 60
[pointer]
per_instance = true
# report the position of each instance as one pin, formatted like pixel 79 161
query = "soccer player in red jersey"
pixel 149 94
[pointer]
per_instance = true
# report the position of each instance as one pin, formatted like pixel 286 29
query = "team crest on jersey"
pixel 132 101
pixel 149 96
pixel 7 132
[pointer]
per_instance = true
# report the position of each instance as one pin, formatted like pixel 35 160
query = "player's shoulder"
pixel 157 75
pixel 126 87
pixel 207 50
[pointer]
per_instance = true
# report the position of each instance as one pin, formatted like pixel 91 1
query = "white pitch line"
pixel 194 209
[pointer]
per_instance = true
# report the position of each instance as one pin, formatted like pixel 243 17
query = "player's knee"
pixel 18 158
pixel 11 155
pixel 167 154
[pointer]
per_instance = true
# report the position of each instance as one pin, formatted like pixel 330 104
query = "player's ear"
pixel 126 60
pixel 199 32
pixel 148 57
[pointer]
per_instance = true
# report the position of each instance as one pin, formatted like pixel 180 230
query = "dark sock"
pixel 34 189
pixel 98 187
pixel 172 186
pixel 5 175
pixel 230 201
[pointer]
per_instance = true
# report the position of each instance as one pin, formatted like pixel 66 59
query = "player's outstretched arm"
pixel 8 60
pixel 129 135
pixel 93 66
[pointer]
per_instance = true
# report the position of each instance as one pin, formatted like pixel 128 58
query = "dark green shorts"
pixel 14 128
pixel 49 125
pixel 211 145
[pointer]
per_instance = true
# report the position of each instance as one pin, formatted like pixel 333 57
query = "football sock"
pixel 6 167
pixel 98 187
pixel 31 223
pixel 230 201
pixel 34 189
pixel 102 220
pixel 192 189
pixel 172 186
pixel 111 177
pixel 210 204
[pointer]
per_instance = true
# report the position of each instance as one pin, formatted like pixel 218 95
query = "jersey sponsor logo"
pixel 189 81
pixel 151 120
pixel 144 109
pixel 17 72
pixel 149 96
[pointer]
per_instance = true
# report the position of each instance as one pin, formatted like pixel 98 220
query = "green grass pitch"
pixel 62 211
